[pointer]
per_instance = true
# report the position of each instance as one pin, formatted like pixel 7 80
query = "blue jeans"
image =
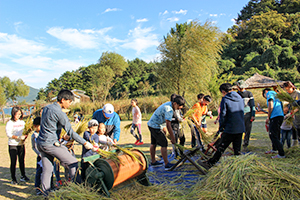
pixel 286 135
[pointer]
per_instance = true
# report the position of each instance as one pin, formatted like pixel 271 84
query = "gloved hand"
pixel 88 145
pixel 22 137
pixel 209 113
pixel 110 142
pixel 95 148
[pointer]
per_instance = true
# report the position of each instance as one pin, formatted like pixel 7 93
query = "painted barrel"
pixel 128 168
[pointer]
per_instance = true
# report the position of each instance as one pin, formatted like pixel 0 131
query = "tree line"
pixel 197 57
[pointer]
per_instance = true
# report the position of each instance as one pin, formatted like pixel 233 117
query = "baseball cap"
pixel 92 123
pixel 108 110
pixel 241 84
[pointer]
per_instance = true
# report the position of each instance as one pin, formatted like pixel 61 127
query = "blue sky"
pixel 41 39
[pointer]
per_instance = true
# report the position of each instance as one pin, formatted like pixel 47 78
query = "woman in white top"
pixel 14 129
pixel 136 122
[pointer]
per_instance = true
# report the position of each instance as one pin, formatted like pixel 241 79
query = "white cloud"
pixel 233 20
pixel 140 39
pixel 34 61
pixel 142 20
pixel 189 20
pixel 166 12
pixel 214 22
pixel 213 15
pixel 111 10
pixel 13 45
pixel 173 19
pixel 180 12
pixel 83 39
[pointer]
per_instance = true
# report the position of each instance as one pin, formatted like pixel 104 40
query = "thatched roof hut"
pixel 260 81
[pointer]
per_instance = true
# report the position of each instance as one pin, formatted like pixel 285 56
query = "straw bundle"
pixel 81 126
pixel 127 127
pixel 284 96
pixel 247 177
pixel 130 153
pixel 28 126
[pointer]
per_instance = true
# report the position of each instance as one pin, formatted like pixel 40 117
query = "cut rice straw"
pixel 127 127
pixel 28 126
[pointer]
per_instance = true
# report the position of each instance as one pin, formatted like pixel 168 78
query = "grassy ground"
pixel 259 144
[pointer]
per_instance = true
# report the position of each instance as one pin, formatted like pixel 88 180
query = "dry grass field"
pixel 259 143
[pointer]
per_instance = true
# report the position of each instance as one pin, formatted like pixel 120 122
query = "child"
pixel 39 167
pixel 136 122
pixel 93 127
pixel 14 129
pixel 286 129
pixel 200 111
pixel 104 141
pixel 163 114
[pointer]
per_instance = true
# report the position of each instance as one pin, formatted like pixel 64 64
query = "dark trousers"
pixel 295 136
pixel 84 166
pixel 38 172
pixel 14 153
pixel 274 134
pixel 226 139
pixel 248 127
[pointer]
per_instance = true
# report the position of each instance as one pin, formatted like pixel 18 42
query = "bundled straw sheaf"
pixel 127 127
pixel 248 177
pixel 28 126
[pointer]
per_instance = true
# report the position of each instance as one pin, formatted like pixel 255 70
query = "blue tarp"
pixel 185 175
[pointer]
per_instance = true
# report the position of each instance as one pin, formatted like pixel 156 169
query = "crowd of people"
pixel 236 114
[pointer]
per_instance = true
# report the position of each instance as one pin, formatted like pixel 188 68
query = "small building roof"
pixel 260 81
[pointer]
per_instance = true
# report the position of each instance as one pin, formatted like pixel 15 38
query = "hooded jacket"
pixel 232 114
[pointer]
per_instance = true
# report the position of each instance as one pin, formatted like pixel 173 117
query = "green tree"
pixel 106 74
pixel 189 57
pixel 12 90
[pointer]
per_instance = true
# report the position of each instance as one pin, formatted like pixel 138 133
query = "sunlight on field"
pixel 259 142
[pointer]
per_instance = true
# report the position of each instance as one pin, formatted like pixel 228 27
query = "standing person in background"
pixel 111 119
pixel 295 94
pixel 53 120
pixel 14 129
pixel 231 123
pixel 177 128
pixel 136 122
pixel 286 129
pixel 275 119
pixel 249 111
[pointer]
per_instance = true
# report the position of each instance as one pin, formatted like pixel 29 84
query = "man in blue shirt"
pixel 111 119
pixel 275 119
pixel 52 121
pixel 163 115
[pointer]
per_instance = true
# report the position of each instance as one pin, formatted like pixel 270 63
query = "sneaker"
pixel 169 166
pixel 59 183
pixel 278 156
pixel 156 164
pixel 140 143
pixel 136 142
pixel 270 152
pixel 14 182
pixel 24 179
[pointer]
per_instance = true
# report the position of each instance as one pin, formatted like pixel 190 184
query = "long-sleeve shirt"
pixel 232 114
pixel 136 115
pixel 14 128
pixel 33 143
pixel 53 120
pixel 112 124
pixel 85 152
